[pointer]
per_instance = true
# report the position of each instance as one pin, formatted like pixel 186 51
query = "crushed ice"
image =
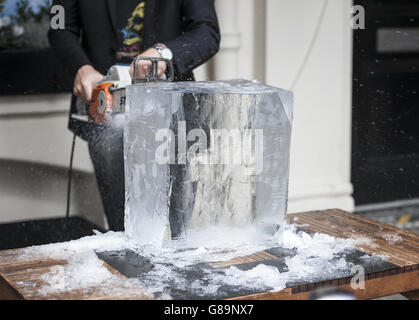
pixel 315 255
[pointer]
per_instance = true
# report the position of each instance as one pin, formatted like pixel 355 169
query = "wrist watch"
pixel 164 51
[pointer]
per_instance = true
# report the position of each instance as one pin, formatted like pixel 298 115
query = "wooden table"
pixel 22 280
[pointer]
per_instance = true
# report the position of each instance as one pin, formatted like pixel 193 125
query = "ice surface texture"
pixel 204 153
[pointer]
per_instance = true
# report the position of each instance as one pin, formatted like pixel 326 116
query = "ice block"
pixel 204 153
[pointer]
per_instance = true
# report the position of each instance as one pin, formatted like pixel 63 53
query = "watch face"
pixel 167 54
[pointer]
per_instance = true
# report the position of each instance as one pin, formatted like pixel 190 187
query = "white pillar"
pixel 321 138
pixel 226 61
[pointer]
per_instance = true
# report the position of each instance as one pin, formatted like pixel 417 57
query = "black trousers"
pixel 107 154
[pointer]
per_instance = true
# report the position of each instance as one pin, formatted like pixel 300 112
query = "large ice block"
pixel 204 153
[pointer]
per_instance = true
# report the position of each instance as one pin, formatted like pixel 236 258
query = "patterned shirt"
pixel 130 30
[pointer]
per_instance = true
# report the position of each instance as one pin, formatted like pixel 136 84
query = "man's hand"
pixel 144 67
pixel 84 82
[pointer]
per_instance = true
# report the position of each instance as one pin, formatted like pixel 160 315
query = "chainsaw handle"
pixel 153 77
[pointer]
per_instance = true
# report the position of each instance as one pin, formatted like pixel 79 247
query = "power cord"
pixel 311 44
pixel 70 176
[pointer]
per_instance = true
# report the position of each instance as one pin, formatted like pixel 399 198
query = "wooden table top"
pixel 23 279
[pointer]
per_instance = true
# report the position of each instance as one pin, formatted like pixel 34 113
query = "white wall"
pixel 321 144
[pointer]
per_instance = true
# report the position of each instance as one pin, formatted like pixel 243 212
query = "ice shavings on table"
pixel 179 269
pixel 392 237
pixel 83 269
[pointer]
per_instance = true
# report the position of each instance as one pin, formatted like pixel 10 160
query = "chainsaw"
pixel 108 96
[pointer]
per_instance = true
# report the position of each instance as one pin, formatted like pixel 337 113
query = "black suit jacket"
pixel 188 27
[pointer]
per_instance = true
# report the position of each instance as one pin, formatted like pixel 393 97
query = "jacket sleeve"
pixel 200 39
pixel 66 42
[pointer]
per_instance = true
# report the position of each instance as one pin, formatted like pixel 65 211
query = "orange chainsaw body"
pixel 102 102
